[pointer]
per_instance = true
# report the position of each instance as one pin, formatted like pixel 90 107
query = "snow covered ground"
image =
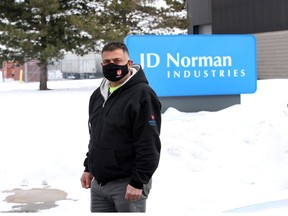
pixel 217 163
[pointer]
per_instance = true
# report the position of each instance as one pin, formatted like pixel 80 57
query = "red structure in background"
pixel 30 71
pixel 12 70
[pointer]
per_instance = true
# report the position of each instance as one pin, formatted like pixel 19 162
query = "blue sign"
pixel 188 65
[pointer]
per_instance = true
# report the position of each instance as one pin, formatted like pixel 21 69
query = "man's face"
pixel 117 57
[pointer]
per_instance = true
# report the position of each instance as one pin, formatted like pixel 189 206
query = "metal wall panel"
pixel 199 13
pixel 249 16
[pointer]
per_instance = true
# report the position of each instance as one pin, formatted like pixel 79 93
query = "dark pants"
pixel 111 197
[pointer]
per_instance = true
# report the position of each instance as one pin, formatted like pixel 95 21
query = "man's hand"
pixel 132 193
pixel 86 179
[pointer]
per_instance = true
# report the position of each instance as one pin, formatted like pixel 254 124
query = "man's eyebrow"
pixel 118 58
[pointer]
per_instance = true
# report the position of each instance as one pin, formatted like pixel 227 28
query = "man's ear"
pixel 130 63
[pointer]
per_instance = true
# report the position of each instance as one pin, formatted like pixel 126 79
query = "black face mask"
pixel 114 72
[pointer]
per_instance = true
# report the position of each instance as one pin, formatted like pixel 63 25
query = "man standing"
pixel 124 127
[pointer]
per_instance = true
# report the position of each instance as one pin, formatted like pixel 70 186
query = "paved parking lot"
pixel 34 200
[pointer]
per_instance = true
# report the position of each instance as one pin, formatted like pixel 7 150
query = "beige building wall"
pixel 272 55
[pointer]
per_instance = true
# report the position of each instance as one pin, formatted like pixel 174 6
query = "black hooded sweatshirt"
pixel 124 131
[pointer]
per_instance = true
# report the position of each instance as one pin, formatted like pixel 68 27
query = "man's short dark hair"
pixel 111 46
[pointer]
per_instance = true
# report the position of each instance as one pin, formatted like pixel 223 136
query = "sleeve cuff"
pixel 135 184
